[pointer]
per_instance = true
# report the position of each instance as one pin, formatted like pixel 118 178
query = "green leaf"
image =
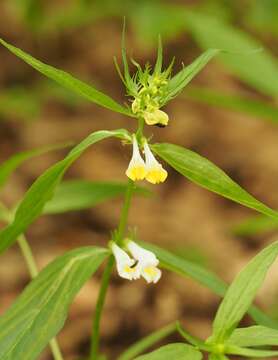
pixel 259 70
pixel 176 351
pixel 147 342
pixel 254 336
pixel 159 57
pixel 255 225
pixel 8 167
pixel 81 194
pixel 236 350
pixel 242 104
pixel 203 276
pixel 183 267
pixel 68 81
pixel 182 78
pixel 204 173
pixel 43 188
pixel 41 310
pixel 241 293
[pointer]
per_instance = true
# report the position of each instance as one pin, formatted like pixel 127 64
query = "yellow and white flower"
pixel 155 172
pixel 137 168
pixel 147 262
pixel 156 117
pixel 125 265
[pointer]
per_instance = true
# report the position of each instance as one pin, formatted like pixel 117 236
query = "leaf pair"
pixel 174 87
pixel 226 339
pixel 241 294
pixel 188 163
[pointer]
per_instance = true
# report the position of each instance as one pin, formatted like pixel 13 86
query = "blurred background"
pixel 228 114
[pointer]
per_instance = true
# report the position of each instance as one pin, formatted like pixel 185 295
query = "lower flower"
pixel 147 262
pixel 144 263
pixel 124 264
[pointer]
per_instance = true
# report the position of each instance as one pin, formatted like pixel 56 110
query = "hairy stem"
pixel 33 270
pixel 107 273
pixel 99 307
pixel 141 123
pixel 125 210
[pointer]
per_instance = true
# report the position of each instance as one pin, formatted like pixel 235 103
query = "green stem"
pixel 99 307
pixel 107 273
pixel 125 210
pixel 33 270
pixel 139 133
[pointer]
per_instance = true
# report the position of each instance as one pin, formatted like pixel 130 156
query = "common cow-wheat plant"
pixel 40 311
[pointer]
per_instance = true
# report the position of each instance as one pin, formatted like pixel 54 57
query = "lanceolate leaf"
pixel 81 194
pixel 241 293
pixel 176 351
pixel 254 336
pixel 203 276
pixel 43 188
pixel 185 267
pixel 7 167
pixel 40 311
pixel 68 81
pixel 204 173
pixel 257 69
pixel 182 78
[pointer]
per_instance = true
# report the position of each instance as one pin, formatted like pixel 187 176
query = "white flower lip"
pixel 124 263
pixel 137 168
pixel 144 263
pixel 142 255
pixel 147 262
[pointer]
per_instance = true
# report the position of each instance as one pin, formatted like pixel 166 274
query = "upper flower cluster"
pixel 148 98
pixel 148 87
